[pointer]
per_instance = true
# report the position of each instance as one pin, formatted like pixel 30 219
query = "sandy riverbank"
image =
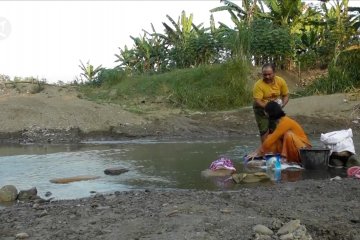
pixel 328 209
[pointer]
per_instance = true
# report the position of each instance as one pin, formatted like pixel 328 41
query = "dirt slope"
pixel 57 114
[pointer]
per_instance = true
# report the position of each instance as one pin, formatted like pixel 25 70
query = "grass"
pixel 336 81
pixel 215 87
pixel 343 76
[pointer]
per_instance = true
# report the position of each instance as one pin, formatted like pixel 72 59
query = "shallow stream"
pixel 152 164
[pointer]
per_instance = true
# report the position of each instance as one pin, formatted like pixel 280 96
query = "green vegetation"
pixel 343 76
pixel 89 72
pixel 215 87
pixel 208 67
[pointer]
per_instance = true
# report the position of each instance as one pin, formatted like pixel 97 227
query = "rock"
pixel 354 235
pixel 21 235
pixel 289 227
pixel 8 193
pixel 36 206
pixel 288 236
pixel 355 220
pixel 40 200
pixel 48 194
pixel 262 237
pixel 225 210
pixel 337 178
pixel 27 194
pixel 300 233
pixel 43 213
pixel 276 223
pixel 261 229
pixel 73 179
pixel 115 171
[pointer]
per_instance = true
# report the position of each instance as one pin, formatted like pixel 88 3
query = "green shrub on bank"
pixel 109 77
pixel 343 74
pixel 209 87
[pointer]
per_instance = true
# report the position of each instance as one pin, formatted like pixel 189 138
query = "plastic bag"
pixel 339 141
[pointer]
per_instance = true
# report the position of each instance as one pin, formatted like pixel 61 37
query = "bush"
pixel 208 87
pixel 344 74
pixel 308 60
pixel 109 77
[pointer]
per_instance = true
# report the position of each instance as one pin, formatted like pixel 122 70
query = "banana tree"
pixel 245 13
pixel 339 28
pixel 89 73
pixel 126 59
pixel 146 55
pixel 182 41
pixel 283 12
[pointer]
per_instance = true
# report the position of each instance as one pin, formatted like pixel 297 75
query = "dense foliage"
pixel 343 76
pixel 290 33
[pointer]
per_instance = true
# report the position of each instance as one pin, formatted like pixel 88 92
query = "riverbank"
pixel 328 210
pixel 60 115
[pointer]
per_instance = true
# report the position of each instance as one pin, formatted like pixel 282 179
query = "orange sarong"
pixel 289 146
pixel 287 139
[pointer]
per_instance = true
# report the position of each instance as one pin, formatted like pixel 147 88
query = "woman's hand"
pixel 252 155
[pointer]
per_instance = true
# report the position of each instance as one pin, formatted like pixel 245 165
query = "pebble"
pixel 288 236
pixel 22 235
pixel 48 194
pixel 261 229
pixel 225 210
pixel 43 213
pixel 169 214
pixel 102 207
pixel 337 178
pixel 115 171
pixel 300 232
pixel 289 227
pixel 355 220
pixel 276 223
pixel 262 237
pixel 36 206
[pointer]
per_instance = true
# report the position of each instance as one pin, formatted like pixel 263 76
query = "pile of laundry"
pixel 224 163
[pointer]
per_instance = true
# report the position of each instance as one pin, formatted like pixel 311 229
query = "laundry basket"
pixel 315 158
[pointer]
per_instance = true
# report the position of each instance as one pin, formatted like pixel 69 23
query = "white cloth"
pixel 279 101
pixel 339 141
pixel 285 166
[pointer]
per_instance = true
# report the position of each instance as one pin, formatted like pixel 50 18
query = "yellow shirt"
pixel 269 92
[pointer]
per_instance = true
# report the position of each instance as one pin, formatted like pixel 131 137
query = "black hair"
pixel 269 65
pixel 274 110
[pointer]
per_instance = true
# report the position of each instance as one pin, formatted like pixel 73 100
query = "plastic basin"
pixel 315 158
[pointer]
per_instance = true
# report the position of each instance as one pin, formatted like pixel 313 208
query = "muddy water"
pixel 152 164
